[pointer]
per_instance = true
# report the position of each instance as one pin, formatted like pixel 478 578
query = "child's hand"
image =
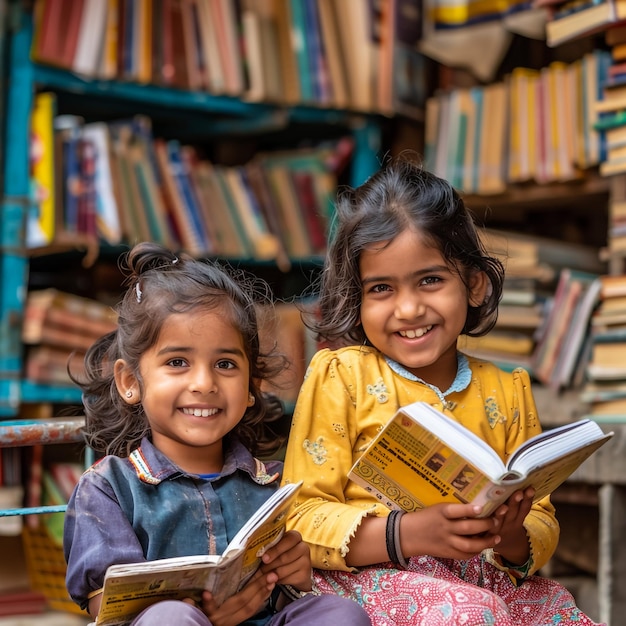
pixel 241 606
pixel 514 546
pixel 289 562
pixel 448 531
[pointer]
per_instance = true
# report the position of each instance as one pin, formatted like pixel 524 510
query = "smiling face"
pixel 195 387
pixel 414 306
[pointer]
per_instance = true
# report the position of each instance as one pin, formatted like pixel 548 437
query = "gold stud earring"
pixel 251 399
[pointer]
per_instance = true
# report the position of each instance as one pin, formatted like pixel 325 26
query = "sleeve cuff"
pixel 517 573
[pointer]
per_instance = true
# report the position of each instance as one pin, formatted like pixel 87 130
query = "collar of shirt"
pixel 461 381
pixel 152 466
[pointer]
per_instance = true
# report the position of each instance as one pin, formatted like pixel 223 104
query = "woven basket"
pixel 46 568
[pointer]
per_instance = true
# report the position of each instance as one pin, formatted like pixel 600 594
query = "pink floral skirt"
pixel 445 592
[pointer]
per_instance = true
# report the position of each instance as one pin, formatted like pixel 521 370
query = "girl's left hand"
pixel 514 546
pixel 240 607
pixel 289 562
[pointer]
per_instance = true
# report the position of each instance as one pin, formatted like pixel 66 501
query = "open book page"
pixel 130 588
pixel 423 457
pixel 263 530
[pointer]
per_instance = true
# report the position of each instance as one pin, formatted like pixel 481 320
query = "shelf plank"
pixel 540 197
pixel 57 78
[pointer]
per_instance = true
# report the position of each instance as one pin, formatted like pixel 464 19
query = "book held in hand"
pixel 423 457
pixel 130 588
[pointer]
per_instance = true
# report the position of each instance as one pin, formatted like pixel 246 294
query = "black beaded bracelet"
pixel 392 538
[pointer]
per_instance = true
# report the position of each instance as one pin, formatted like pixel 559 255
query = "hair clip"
pixel 175 260
pixel 138 291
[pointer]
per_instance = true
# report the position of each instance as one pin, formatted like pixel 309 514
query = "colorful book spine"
pixel 41 225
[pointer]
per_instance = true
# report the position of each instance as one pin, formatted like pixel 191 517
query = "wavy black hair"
pixel 400 195
pixel 160 283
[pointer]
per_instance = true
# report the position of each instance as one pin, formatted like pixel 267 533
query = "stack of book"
pixel 281 327
pixel 605 389
pixel 572 19
pixel 539 327
pixel 611 105
pixel 58 328
pixel 560 355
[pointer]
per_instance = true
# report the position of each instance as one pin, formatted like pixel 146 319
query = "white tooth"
pixel 200 412
pixel 412 334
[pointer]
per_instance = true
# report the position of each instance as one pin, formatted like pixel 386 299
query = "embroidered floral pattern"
pixel 143 470
pixel 379 390
pixel 494 415
pixel 262 477
pixel 316 449
pixel 319 519
pixel 339 430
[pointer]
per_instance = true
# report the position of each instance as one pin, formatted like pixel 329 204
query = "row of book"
pixel 536 125
pixel 116 182
pixel 332 53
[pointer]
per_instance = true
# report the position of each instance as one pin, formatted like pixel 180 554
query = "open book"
pixel 422 457
pixel 130 588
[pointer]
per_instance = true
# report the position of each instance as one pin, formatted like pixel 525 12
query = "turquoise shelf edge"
pixel 15 392
pixel 57 78
pixel 33 392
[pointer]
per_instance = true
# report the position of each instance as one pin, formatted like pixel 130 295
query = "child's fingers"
pixel 290 540
pixel 240 607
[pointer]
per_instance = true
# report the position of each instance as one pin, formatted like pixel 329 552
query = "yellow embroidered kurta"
pixel 347 396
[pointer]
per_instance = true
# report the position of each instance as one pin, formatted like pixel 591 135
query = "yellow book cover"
pixel 108 60
pixel 554 165
pixel 563 113
pixel 423 457
pixel 515 114
pixel 144 40
pixel 522 104
pixel 130 588
pixel 493 139
pixel 41 229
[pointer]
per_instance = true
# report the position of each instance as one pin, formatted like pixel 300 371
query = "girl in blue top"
pixel 172 399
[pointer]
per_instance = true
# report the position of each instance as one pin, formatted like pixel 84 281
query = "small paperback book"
pixel 423 457
pixel 130 588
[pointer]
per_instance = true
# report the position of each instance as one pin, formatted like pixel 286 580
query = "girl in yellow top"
pixel 405 275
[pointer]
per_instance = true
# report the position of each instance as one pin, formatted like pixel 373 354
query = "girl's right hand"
pixel 241 606
pixel 448 531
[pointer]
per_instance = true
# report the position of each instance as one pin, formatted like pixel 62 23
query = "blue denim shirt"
pixel 144 507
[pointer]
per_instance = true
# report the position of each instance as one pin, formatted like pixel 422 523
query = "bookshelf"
pixel 201 114
pixel 183 114
pixel 586 206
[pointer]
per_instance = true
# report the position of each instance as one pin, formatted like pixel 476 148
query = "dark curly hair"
pixel 160 283
pixel 400 195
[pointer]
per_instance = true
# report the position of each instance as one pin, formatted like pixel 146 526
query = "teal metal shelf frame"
pixel 225 115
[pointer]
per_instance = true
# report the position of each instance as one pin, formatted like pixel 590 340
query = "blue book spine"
pixel 298 29
pixel 184 186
